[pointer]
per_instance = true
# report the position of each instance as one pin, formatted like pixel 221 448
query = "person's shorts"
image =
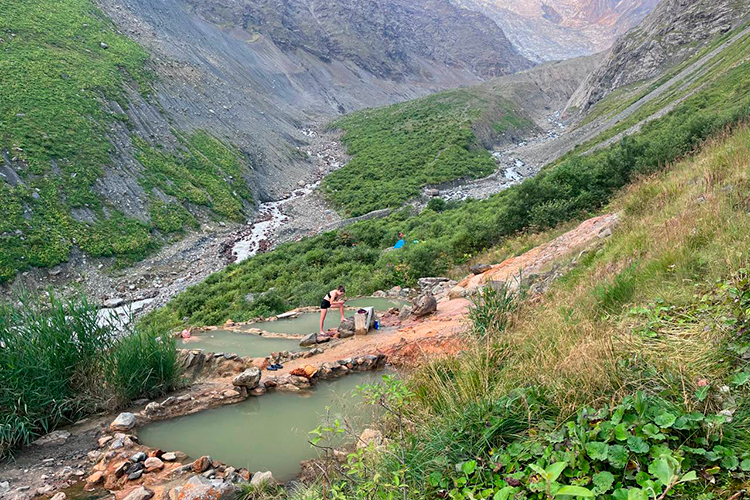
pixel 325 304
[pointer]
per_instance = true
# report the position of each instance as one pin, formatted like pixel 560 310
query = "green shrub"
pixel 58 363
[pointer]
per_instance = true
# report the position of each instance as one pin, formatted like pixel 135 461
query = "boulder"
pixel 404 313
pixel 138 457
pixel 424 305
pixel 309 340
pixel 202 464
pixel 202 488
pixel 248 379
pixel 153 464
pixel 140 493
pixel 370 437
pixel 346 328
pixel 480 268
pixel 95 478
pixel 55 438
pixel 169 457
pixel 457 292
pixel 124 422
pixel 261 479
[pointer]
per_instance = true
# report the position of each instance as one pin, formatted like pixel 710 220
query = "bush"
pixel 59 363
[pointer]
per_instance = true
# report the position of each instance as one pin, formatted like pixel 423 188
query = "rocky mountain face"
pixel 389 39
pixel 544 30
pixel 255 72
pixel 674 31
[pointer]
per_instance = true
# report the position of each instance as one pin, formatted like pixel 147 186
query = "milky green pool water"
pixel 266 433
pixel 307 323
pixel 242 344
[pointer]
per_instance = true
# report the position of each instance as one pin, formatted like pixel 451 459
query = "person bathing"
pixel 332 299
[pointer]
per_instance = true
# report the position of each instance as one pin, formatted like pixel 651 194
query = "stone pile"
pixel 305 377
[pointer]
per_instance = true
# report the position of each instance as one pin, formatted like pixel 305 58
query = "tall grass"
pixel 59 363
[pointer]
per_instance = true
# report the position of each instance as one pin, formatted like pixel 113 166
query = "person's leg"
pixel 323 313
pixel 341 310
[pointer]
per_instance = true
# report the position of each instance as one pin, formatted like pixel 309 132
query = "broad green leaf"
pixel 637 494
pixel 653 432
pixel 554 470
pixel 618 456
pixel 575 491
pixel 730 463
pixel 620 494
pixel 597 450
pixel 745 465
pixel 689 476
pixel 663 470
pixel 739 379
pixel 504 494
pixel 621 432
pixel 469 467
pixel 603 481
pixel 638 445
pixel 665 420
pixel 435 479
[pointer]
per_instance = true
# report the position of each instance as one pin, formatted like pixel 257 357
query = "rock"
pixel 140 493
pixel 379 294
pixel 169 457
pixel 202 464
pixel 429 283
pixel 432 193
pixel 248 379
pixel 230 393
pixel 112 303
pixel 55 438
pixel 346 328
pixel 424 305
pixel 138 457
pixel 94 455
pixel 605 233
pixel 124 422
pixel 103 45
pixel 104 440
pixel 405 312
pixel 4 487
pixel 95 478
pixel 261 479
pixel 135 475
pixel 309 340
pixel 370 437
pixel 153 464
pixel 480 268
pixel 152 407
pixel 202 488
pixel 59 496
pixel 259 391
pixel 457 292
pixel 169 401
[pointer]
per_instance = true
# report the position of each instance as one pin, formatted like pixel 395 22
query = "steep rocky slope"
pixel 560 29
pixel 674 31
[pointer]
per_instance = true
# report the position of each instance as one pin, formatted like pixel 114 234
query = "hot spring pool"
pixel 266 433
pixel 242 344
pixel 307 323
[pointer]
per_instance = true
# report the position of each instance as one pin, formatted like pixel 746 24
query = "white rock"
pixel 124 422
pixel 262 478
pixel 59 496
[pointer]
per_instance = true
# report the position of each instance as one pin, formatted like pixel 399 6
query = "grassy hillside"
pixel 61 60
pixel 629 379
pixel 300 273
pixel 401 148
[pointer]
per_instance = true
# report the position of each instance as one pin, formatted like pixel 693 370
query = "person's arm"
pixel 339 299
